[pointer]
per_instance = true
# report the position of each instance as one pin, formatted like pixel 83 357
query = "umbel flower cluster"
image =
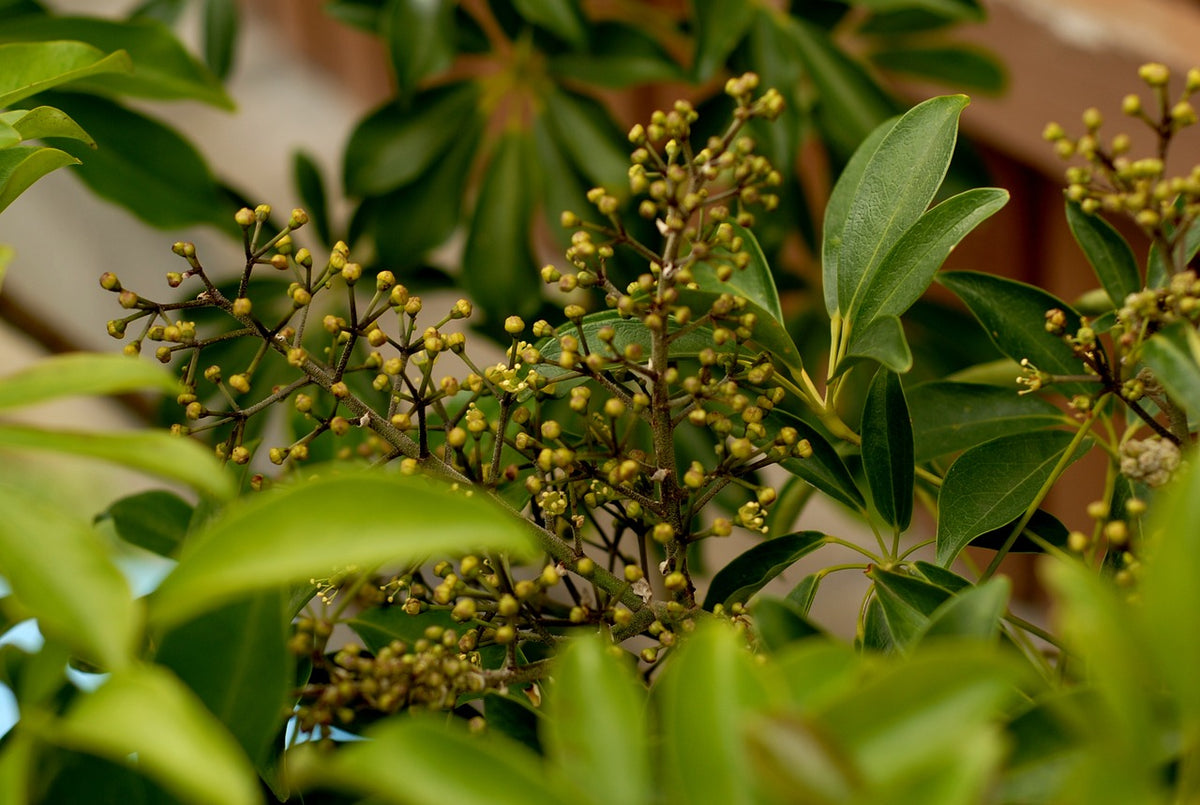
pixel 577 428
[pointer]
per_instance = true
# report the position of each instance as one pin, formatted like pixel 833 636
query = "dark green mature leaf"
pixel 162 66
pixel 887 450
pixel 949 416
pixel 955 9
pixel 993 484
pixel 974 613
pixel 621 56
pixel 907 602
pixel 498 263
pixel 596 722
pixel 586 132
pixel 563 18
pixel 959 66
pixel 720 25
pixel 1014 314
pixel 882 341
pixel 779 622
pixel 1173 354
pixel 1159 269
pixel 804 593
pixel 824 469
pixel 1111 257
pixel 22 165
pixel 44 121
pixel 220 35
pixel 60 573
pixel 940 576
pixel 27 68
pixel 752 570
pixel 378 626
pixel 876 635
pixel 306 175
pixel 1043 525
pixel 236 660
pixel 312 528
pixel 156 520
pixel 420 40
pixel 394 145
pixel 165 11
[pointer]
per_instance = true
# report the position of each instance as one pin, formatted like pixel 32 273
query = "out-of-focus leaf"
pixel 796 763
pixel 720 25
pixel 306 174
pixel 748 573
pixel 563 18
pixel 22 165
pixel 1111 257
pixel 1173 353
pixel 156 520
pixel 887 450
pixel 958 66
pixel 27 68
pixel 420 39
pixel 952 9
pixel 165 11
pixel 949 416
pixel 220 35
pixel 44 121
pixel 586 132
pixel 779 622
pixel 379 626
pixel 621 56
pixel 81 374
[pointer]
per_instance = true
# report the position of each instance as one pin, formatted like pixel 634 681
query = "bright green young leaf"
pixel 8 135
pixel 27 68
pixel 748 573
pixel 907 603
pixel 1014 316
pixel 973 613
pixel 720 25
pixel 596 723
pixel 156 520
pixel 1173 354
pixel 779 622
pixel 162 66
pixel 145 711
pixel 60 572
pixel 897 185
pixel 1111 257
pixel 310 529
pixel 949 416
pixel 620 56
pixel 6 257
pixel 44 121
pixel 220 35
pixel 563 18
pixel 420 41
pixel 22 165
pixel 887 450
pixel 419 760
pixel 956 65
pixel 236 660
pixel 81 374
pixel 964 773
pixel 992 484
pixel 585 131
pixel 706 697
pixel 153 452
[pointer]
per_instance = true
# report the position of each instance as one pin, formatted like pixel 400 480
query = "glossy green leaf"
pixel 620 56
pixel 22 165
pixel 720 25
pixel 81 374
pixel 221 24
pixel 44 121
pixel 587 133
pixel 949 416
pixel 1173 354
pixel 143 165
pixel 27 68
pixel 882 341
pixel 824 469
pixel 749 572
pixel 236 660
pixel 498 264
pixel 992 484
pixel 147 711
pixel 940 576
pixel 910 265
pixel 1110 255
pixel 60 572
pixel 1014 316
pixel 420 40
pixel 907 602
pixel 779 622
pixel 162 67
pixel 973 613
pixel 887 450
pixel 8 135
pixel 393 146
pixel 563 18
pixel 955 65
pixel 874 633
pixel 284 537
pixel 306 175
pixel 418 760
pixel 154 452
pixel 596 722
pixel 710 689
pixel 804 593
pixel 897 185
pixel 1044 526
pixel 156 520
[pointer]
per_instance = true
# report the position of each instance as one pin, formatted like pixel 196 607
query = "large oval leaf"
pixel 949 416
pixel 27 68
pixel 887 450
pixel 751 571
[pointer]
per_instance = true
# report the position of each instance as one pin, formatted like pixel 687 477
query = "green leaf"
pixel 779 622
pixel 60 572
pixel 911 264
pixel 620 56
pixel 6 257
pixel 1045 526
pixel 306 175
pixel 887 450
pixel 882 341
pixel 498 263
pixel 143 165
pixel 824 469
pixel 27 68
pixel 236 660
pixel 44 121
pixel 720 25
pixel 940 576
pixel 949 416
pixel 162 67
pixel 749 572
pixel 804 593
pixel 796 763
pixel 952 9
pixel 156 520
pixel 154 452
pixel 563 18
pixel 1173 353
pixel 21 166
pixel 1111 257
pixel 420 40
pixel 1014 315
pixel 418 760
pixel 596 723
pixel 897 185
pixel 959 66
pixel 585 131
pixel 379 626
pixel 907 602
pixel 145 710
pixel 974 613
pixel 710 689
pixel 993 484
pixel 220 35
pixel 284 536
pixel 165 11
pixel 81 374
